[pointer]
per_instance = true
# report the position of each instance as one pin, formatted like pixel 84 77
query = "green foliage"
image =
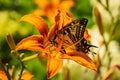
pixel 83 9
pixel 20 6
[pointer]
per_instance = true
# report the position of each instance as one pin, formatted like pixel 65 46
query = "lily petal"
pixel 31 43
pixel 67 4
pixel 27 76
pixel 58 24
pixel 87 35
pixel 39 12
pixel 55 2
pixel 61 19
pixel 37 22
pixel 67 18
pixel 82 59
pixel 42 3
pixel 3 75
pixel 53 66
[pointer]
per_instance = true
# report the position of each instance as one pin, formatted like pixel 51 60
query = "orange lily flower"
pixel 49 7
pixel 52 53
pixel 3 76
pixel 27 76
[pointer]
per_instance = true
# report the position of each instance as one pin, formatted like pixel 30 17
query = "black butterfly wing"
pixel 73 33
pixel 75 30
pixel 72 36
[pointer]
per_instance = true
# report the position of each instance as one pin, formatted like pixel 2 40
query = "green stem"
pixel 22 69
pixel 106 46
pixel 111 33
pixel 13 73
pixel 109 60
pixel 107 9
pixel 66 72
pixel 30 57
pixel 7 72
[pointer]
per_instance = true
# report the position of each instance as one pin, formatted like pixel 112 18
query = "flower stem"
pixel 111 33
pixel 30 57
pixel 22 69
pixel 66 72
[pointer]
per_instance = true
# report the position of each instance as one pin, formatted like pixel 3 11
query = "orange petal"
pixel 62 18
pixel 59 20
pixel 55 2
pixel 41 3
pixel 67 4
pixel 52 32
pixel 3 76
pixel 66 16
pixel 37 22
pixel 39 12
pixel 82 59
pixel 31 43
pixel 27 76
pixel 60 43
pixel 58 24
pixel 86 35
pixel 53 66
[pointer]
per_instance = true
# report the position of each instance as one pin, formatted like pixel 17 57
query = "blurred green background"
pixel 10 13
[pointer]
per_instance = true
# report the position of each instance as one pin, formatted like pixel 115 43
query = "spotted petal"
pixel 37 22
pixel 31 43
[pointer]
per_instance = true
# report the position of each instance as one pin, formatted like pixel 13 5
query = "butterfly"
pixel 73 36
